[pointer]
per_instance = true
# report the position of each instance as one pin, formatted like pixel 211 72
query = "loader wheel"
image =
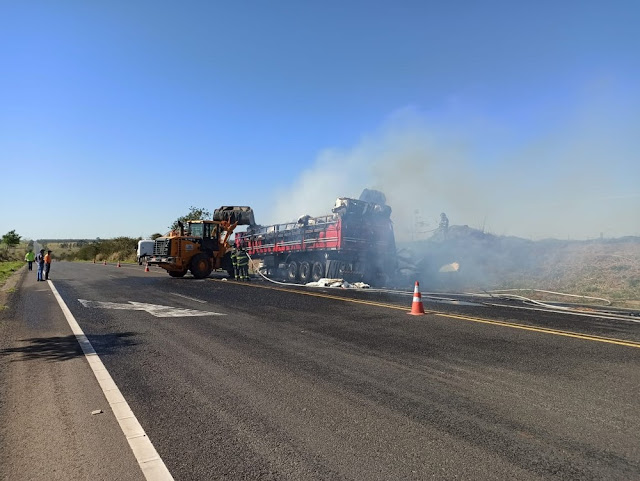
pixel 292 271
pixel 201 266
pixel 177 273
pixel 305 272
pixel 317 271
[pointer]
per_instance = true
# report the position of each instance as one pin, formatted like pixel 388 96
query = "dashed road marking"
pixel 187 297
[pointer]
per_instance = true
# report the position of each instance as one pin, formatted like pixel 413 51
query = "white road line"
pixel 187 297
pixel 148 458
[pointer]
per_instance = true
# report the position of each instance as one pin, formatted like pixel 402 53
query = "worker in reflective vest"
pixel 234 263
pixel 30 257
pixel 242 258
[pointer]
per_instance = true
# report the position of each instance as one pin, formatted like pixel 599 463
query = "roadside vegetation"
pixel 121 249
pixel 7 268
pixel 12 252
pixel 603 268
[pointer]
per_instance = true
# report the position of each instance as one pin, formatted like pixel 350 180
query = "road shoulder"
pixel 47 429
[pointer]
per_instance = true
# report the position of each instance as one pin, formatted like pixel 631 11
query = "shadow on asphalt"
pixel 63 348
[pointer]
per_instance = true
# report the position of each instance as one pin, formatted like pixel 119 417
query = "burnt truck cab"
pixel 200 246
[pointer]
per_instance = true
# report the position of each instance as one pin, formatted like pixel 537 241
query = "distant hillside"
pixel 603 268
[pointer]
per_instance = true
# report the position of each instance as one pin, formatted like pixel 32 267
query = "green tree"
pixel 88 252
pixel 194 214
pixel 11 238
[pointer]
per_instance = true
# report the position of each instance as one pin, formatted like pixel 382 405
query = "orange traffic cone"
pixel 146 267
pixel 416 306
pixel 118 263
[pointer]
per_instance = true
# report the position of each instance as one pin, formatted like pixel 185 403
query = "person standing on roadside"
pixel 40 262
pixel 30 257
pixel 242 258
pixel 47 265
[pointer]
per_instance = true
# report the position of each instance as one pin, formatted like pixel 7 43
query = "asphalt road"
pixel 280 383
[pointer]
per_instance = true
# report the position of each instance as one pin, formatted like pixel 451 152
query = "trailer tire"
pixel 201 266
pixel 292 271
pixel 317 271
pixel 305 272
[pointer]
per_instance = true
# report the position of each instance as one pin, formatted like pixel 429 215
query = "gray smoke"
pixel 573 181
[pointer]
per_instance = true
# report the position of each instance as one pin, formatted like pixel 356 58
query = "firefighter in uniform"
pixel 234 262
pixel 242 258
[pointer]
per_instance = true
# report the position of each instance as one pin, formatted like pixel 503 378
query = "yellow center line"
pixel 545 330
pixel 326 296
pixel 512 325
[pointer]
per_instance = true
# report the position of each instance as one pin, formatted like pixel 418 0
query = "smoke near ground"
pixel 507 178
pixel 573 174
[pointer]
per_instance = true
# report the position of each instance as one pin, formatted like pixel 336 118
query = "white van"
pixel 145 249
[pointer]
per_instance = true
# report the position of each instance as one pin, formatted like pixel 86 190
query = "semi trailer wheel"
pixel 292 271
pixel 317 271
pixel 305 272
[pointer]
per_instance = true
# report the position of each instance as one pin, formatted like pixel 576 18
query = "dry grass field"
pixel 604 268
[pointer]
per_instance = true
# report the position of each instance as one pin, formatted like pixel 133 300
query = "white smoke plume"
pixel 572 180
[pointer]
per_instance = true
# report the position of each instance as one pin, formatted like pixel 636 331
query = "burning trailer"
pixel 355 243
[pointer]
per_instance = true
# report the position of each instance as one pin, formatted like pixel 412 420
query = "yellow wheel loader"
pixel 201 246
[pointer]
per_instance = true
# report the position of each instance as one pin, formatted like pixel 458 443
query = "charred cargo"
pixel 355 243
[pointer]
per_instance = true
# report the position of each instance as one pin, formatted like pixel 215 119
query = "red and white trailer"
pixel 355 243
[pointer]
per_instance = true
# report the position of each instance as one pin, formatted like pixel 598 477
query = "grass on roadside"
pixel 8 268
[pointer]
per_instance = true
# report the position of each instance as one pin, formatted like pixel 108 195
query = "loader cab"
pixel 208 233
pixel 204 229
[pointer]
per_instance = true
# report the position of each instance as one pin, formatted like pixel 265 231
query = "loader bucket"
pixel 242 215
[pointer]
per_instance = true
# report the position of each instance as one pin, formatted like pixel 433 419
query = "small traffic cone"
pixel 146 267
pixel 417 308
pixel 118 263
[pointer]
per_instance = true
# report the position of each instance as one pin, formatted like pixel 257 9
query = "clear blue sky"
pixel 117 116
